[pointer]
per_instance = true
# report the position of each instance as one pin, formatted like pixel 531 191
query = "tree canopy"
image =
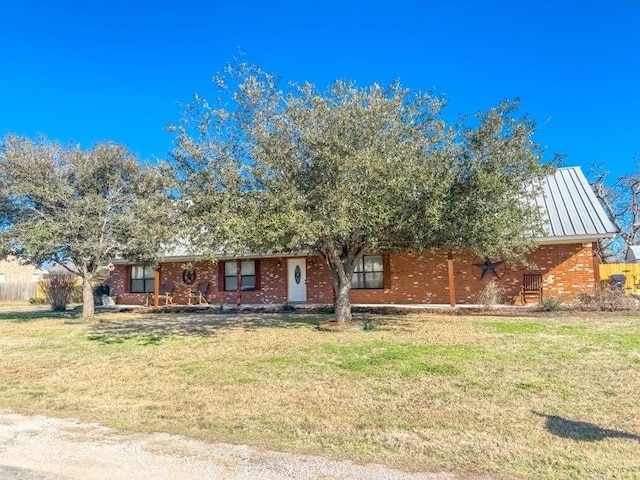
pixel 351 170
pixel 65 204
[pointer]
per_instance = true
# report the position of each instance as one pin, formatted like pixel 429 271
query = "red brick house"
pixel 565 262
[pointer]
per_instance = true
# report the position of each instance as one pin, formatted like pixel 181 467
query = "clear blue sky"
pixel 85 72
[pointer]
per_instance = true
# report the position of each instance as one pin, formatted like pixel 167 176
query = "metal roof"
pixel 633 254
pixel 570 209
pixel 571 213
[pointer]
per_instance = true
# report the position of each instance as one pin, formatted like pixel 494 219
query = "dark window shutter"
pixel 386 272
pixel 258 276
pixel 220 276
pixel 127 279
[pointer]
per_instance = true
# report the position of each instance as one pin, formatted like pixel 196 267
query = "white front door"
pixel 297 279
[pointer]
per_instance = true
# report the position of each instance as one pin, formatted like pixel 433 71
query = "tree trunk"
pixel 88 308
pixel 343 300
pixel 341 259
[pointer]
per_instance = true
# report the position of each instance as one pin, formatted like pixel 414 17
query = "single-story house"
pixel 566 264
pixel 19 279
pixel 633 254
pixel 13 269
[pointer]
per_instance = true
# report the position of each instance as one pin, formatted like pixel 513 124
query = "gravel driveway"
pixel 41 448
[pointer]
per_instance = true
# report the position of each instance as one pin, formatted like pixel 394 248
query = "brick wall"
pixel 567 270
pixel 273 288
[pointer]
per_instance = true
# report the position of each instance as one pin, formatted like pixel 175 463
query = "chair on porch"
pixel 531 287
pixel 199 294
pixel 166 292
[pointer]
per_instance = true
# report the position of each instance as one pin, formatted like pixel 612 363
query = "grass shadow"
pixel 581 431
pixel 199 324
pixel 34 315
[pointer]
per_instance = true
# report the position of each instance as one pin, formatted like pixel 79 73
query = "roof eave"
pixel 196 258
pixel 564 239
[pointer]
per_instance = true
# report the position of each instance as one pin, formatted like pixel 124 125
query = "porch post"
pixel 452 286
pixel 238 282
pixel 156 287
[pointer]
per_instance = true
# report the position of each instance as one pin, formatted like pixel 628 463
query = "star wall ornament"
pixel 489 267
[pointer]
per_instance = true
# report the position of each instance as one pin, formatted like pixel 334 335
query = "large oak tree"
pixel 84 206
pixel 351 170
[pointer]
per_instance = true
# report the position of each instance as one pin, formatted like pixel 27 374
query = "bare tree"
pixel 621 202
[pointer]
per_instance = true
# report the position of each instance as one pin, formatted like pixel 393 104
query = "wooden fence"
pixel 13 291
pixel 631 271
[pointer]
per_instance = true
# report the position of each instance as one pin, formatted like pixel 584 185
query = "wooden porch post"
pixel 156 287
pixel 452 286
pixel 238 282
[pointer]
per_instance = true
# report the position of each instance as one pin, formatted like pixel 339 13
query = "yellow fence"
pixel 630 270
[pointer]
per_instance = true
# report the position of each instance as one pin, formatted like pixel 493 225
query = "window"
pixel 247 275
pixel 369 272
pixel 142 279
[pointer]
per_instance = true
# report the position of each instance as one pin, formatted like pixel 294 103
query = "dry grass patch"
pixel 546 397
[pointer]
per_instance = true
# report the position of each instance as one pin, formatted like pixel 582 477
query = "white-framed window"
pixel 369 273
pixel 142 279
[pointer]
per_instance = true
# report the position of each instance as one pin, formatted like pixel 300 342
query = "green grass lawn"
pixel 554 396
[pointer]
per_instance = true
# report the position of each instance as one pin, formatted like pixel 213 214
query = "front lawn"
pixel 541 397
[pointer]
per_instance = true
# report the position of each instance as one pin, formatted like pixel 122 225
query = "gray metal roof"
pixel 571 213
pixel 571 209
pixel 633 254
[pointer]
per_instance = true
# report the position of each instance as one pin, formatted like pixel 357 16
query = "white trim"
pixel 567 239
pixel 220 258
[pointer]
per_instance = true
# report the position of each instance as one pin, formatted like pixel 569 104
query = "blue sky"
pixel 85 72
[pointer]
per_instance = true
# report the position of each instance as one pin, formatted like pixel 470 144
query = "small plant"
pixel 288 308
pixel 366 325
pixel 37 301
pixel 58 289
pixel 551 304
pixel 491 295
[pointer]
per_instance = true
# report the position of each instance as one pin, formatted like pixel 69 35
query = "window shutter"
pixel 258 276
pixel 127 279
pixel 386 272
pixel 220 276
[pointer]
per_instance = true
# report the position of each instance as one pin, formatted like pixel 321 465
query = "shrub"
pixel 58 289
pixel 551 304
pixel 288 308
pixel 76 294
pixel 609 298
pixel 37 301
pixel 492 294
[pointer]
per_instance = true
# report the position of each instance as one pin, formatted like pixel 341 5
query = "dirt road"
pixel 41 448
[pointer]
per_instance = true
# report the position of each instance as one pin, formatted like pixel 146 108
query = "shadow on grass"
pixel 199 324
pixel 34 315
pixel 582 431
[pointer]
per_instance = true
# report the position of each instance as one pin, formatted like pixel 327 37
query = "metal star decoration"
pixel 489 267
